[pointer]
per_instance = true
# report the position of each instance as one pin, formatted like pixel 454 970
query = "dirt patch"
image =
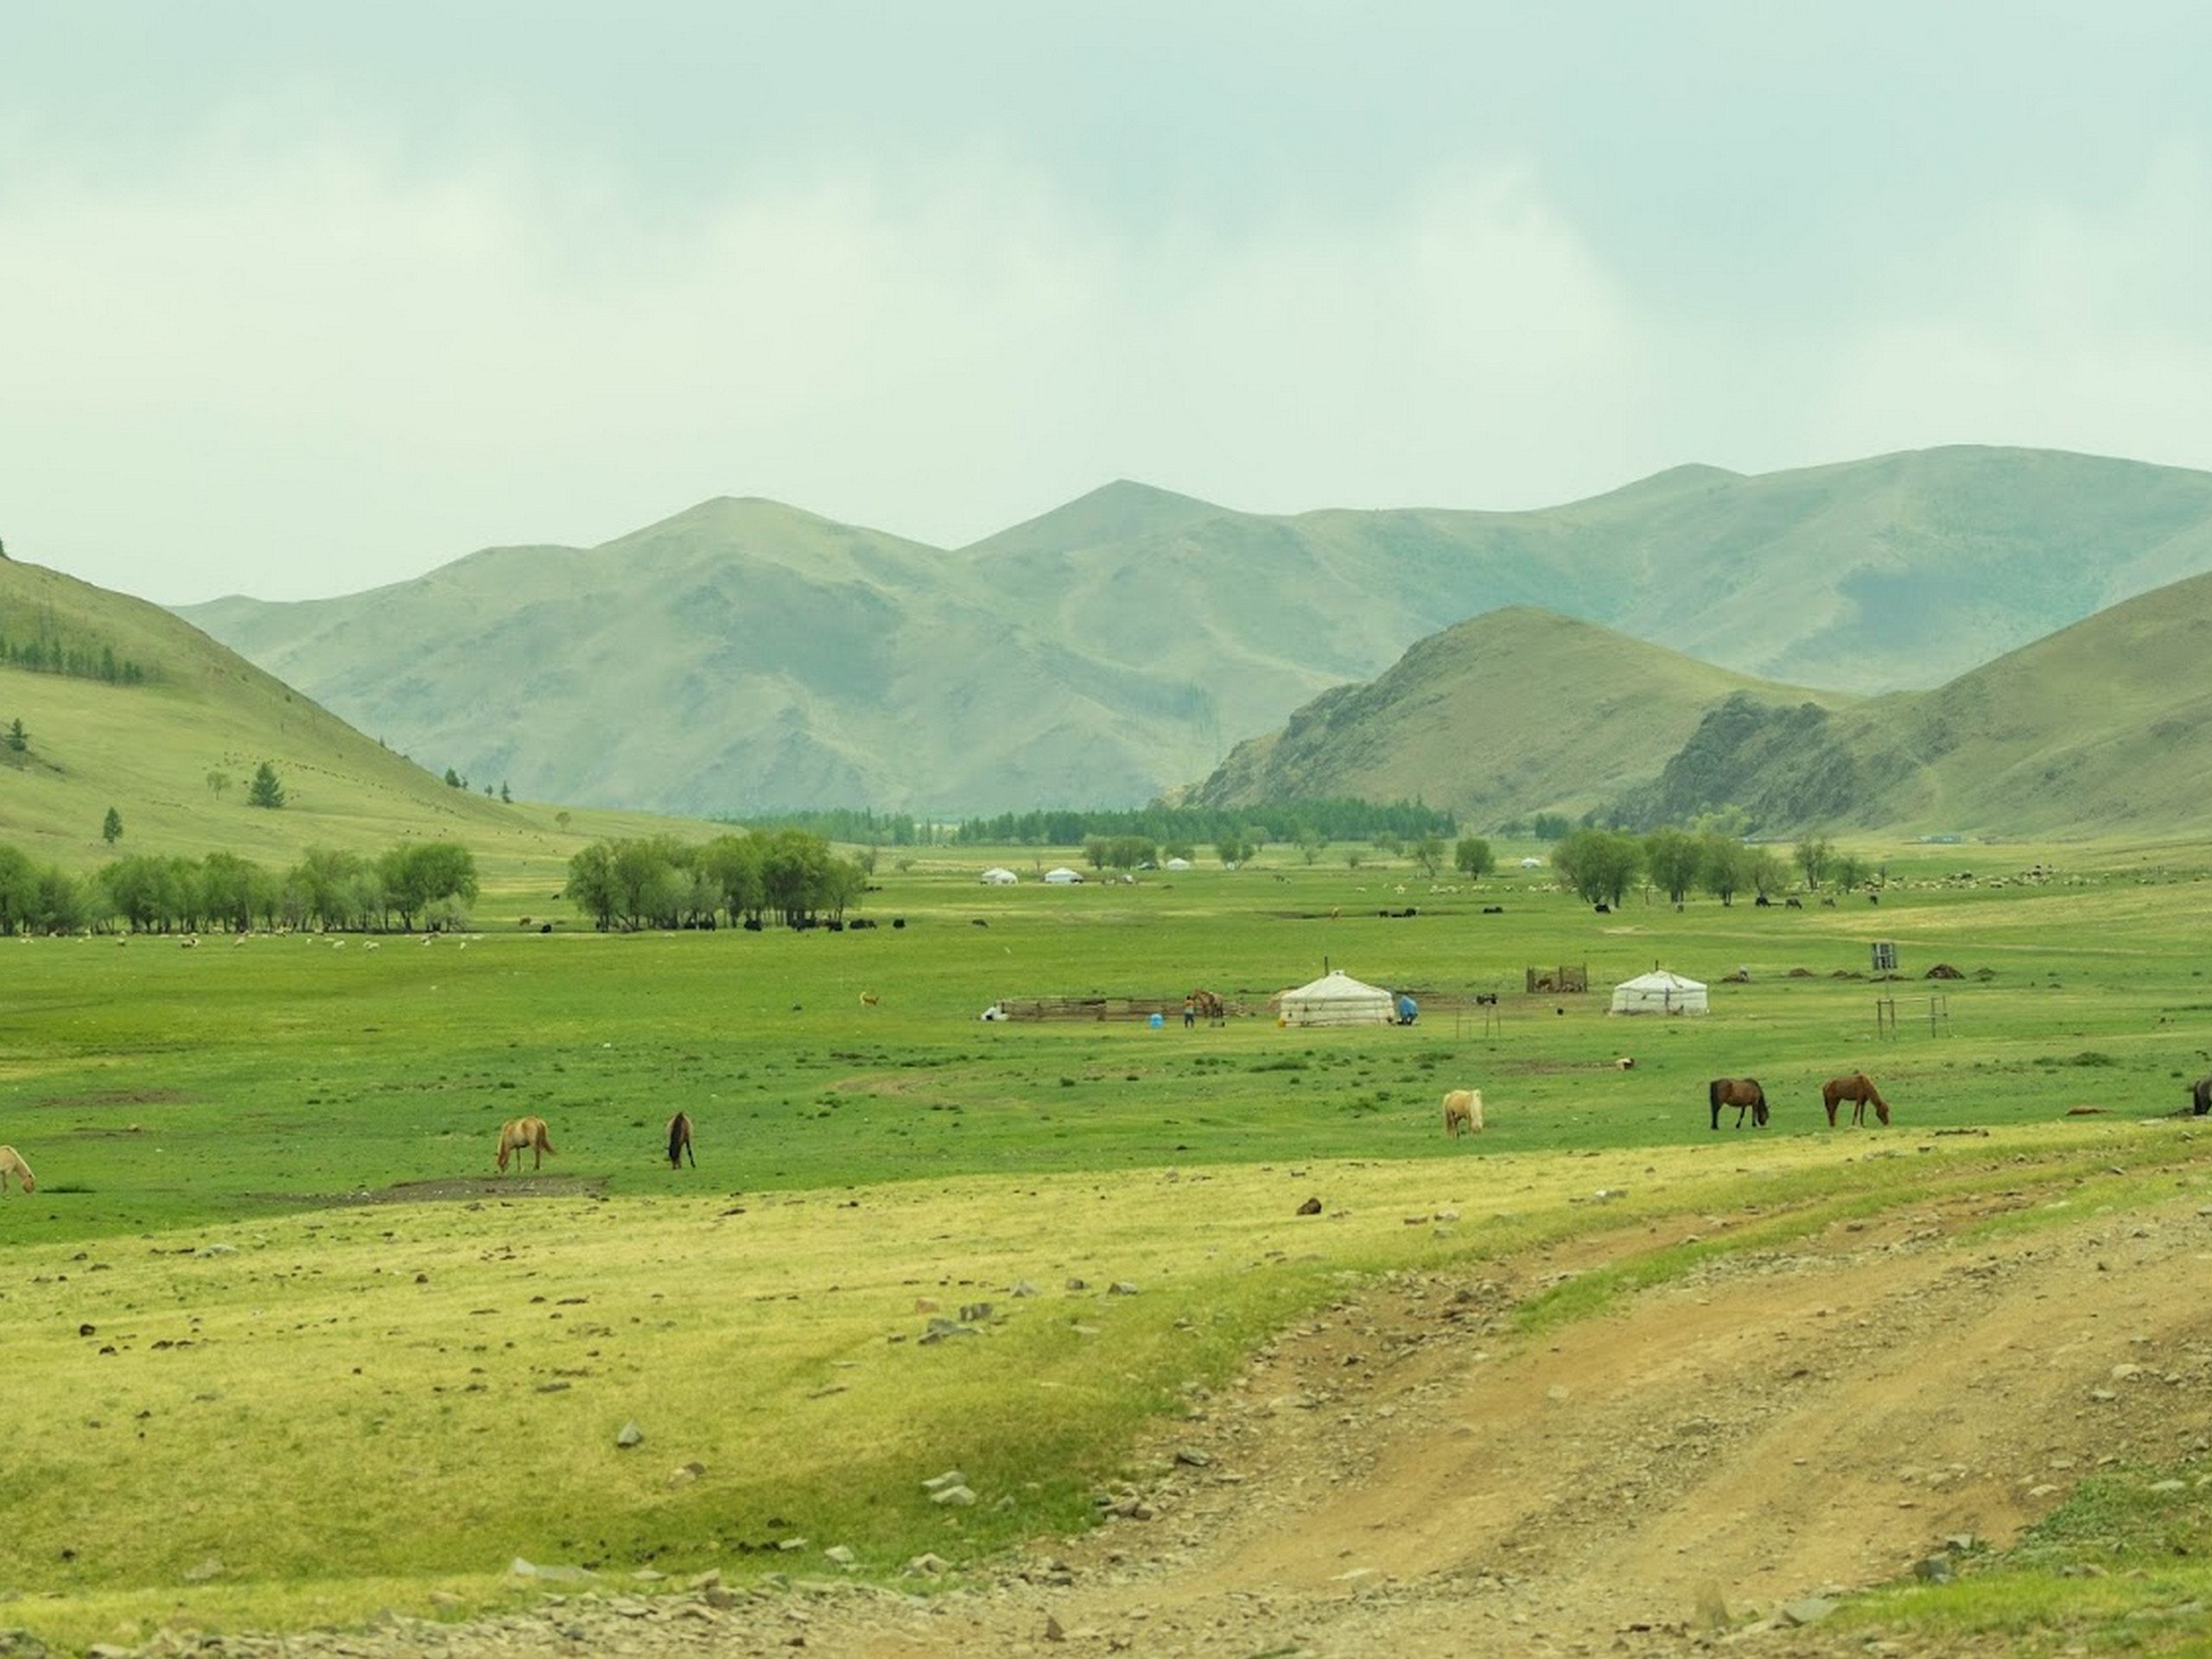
pixel 461 1189
pixel 117 1097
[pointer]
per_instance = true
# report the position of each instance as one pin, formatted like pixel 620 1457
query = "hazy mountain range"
pixel 743 656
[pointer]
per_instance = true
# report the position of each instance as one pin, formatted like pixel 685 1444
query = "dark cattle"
pixel 1828 904
pixel 1486 999
pixel 834 926
pixel 1764 902
pixel 546 927
pixel 1493 909
pixel 898 921
pixel 1873 898
pixel 1603 910
pixel 1792 903
pixel 2200 1096
pixel 977 921
pixel 753 924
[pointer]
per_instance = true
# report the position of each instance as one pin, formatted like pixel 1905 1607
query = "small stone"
pixel 949 1477
pixel 1120 1288
pixel 1310 1207
pixel 929 1565
pixel 631 1435
pixel 1809 1609
pixel 842 1554
pixel 957 1497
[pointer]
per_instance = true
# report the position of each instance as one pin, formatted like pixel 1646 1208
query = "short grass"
pixel 295 1356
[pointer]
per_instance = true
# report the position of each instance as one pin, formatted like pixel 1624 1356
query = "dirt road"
pixel 1404 1476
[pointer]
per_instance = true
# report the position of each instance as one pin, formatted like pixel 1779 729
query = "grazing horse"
pixel 1744 1094
pixel 2200 1096
pixel 11 1163
pixel 679 1141
pixel 1463 1112
pixel 523 1135
pixel 1857 1087
pixel 1207 1006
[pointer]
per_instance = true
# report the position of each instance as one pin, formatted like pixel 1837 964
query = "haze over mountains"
pixel 744 656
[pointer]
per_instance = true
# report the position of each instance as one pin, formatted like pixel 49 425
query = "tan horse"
pixel 1463 1112
pixel 11 1163
pixel 523 1135
pixel 1857 1087
pixel 679 1141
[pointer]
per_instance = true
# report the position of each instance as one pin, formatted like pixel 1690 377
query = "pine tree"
pixel 265 790
pixel 111 827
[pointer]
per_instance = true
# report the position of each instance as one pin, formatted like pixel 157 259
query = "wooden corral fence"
pixel 1555 981
pixel 1170 1008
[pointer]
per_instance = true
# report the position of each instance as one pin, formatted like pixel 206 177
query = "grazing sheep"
pixel 869 999
pixel 11 1163
pixel 1463 1112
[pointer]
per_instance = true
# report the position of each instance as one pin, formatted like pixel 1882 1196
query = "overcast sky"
pixel 300 298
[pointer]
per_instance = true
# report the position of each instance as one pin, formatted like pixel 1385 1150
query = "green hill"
pixel 173 741
pixel 745 656
pixel 1513 712
pixel 2100 728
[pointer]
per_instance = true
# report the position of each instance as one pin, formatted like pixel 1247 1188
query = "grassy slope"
pixel 1120 644
pixel 147 750
pixel 1516 711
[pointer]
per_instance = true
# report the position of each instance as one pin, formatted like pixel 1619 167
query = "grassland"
pixel 294 1353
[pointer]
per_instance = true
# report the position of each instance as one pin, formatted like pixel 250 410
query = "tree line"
pixel 427 885
pixel 1334 818
pixel 48 653
pixel 788 876
pixel 1603 865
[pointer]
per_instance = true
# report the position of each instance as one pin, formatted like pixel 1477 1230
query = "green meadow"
pixel 293 1352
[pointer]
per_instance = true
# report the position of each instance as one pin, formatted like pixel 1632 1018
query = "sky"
pixel 299 299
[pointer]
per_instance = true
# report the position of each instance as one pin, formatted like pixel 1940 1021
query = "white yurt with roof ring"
pixel 1337 999
pixel 1659 991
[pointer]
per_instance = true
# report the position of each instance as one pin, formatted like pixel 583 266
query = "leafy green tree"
pixel 266 790
pixel 454 780
pixel 1723 865
pixel 1428 855
pixel 1766 871
pixel 1472 858
pixel 417 875
pixel 217 781
pixel 330 884
pixel 1599 864
pixel 232 890
pixel 591 883
pixel 1673 857
pixel 1814 854
pixel 1233 849
pixel 111 827
pixel 1550 826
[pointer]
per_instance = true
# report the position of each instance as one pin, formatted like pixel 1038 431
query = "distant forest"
pixel 47 653
pixel 1335 819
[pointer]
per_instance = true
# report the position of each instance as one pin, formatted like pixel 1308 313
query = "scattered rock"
pixel 1310 1207
pixel 631 1435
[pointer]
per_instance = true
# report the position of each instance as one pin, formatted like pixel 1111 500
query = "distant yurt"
pixel 1177 864
pixel 1337 999
pixel 1659 991
pixel 999 876
pixel 1061 876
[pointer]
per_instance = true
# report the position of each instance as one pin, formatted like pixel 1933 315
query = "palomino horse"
pixel 523 1135
pixel 1463 1112
pixel 679 1141
pixel 1857 1087
pixel 11 1163
pixel 1744 1094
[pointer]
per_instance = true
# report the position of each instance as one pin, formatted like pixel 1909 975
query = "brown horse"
pixel 679 1141
pixel 1463 1112
pixel 1857 1087
pixel 2200 1096
pixel 1744 1094
pixel 11 1163
pixel 523 1135
pixel 1207 1006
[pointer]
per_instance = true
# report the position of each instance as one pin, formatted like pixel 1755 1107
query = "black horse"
pixel 1744 1094
pixel 2200 1096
